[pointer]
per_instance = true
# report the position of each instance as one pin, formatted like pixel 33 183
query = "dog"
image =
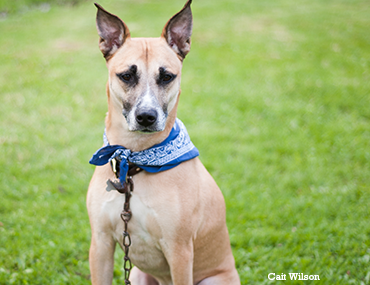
pixel 178 226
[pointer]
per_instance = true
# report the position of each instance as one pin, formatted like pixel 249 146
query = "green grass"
pixel 24 6
pixel 275 95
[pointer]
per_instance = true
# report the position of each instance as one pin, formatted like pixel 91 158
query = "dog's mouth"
pixel 147 131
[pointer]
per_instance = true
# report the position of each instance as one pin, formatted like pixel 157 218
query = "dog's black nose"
pixel 146 118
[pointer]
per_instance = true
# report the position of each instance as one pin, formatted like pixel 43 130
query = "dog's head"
pixel 144 73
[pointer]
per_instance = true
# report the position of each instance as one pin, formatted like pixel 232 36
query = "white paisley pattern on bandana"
pixel 162 155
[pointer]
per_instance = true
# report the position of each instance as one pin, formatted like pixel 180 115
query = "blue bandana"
pixel 176 148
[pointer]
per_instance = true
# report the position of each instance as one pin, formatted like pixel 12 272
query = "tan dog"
pixel 178 229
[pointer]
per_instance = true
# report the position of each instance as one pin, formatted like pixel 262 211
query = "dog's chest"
pixel 145 251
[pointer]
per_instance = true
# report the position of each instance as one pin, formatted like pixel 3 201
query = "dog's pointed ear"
pixel 178 30
pixel 112 31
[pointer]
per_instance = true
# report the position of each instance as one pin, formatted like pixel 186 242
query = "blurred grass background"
pixel 275 97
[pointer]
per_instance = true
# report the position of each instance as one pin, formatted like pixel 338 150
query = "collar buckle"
pixel 115 166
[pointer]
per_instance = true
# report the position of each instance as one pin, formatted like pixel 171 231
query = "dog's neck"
pixel 118 133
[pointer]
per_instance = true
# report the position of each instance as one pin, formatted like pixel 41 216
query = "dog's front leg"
pixel 180 259
pixel 101 258
pixel 181 267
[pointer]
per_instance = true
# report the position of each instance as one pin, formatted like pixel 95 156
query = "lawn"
pixel 275 95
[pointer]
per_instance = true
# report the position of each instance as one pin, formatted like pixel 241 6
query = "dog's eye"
pixel 125 77
pixel 130 76
pixel 167 78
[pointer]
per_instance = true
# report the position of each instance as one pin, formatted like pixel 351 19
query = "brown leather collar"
pixel 132 170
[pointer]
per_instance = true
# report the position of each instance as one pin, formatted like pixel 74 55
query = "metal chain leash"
pixel 126 216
